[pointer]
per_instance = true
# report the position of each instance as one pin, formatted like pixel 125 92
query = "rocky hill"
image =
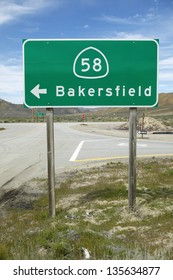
pixel 164 108
pixel 10 110
pixel 165 105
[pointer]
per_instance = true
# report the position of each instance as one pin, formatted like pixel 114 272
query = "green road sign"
pixel 39 114
pixel 116 73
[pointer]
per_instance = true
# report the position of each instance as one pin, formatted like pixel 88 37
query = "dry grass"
pixel 92 213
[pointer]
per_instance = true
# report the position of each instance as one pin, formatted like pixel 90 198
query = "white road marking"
pixel 142 145
pixel 123 144
pixel 76 152
pixel 79 147
pixel 127 144
pixel 99 140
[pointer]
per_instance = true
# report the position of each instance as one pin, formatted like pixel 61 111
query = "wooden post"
pixel 33 115
pixel 142 126
pixel 51 160
pixel 132 158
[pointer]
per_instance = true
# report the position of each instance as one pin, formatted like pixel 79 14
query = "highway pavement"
pixel 23 150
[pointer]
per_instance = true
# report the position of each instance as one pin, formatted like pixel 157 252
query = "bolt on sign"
pixel 71 72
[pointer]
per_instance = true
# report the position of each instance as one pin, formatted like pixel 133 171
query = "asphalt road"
pixel 23 150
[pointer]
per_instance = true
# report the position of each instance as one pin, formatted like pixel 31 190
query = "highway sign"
pixel 74 73
pixel 39 114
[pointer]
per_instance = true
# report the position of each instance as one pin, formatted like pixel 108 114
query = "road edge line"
pixel 76 152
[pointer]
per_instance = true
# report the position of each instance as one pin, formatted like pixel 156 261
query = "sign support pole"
pixel 132 159
pixel 51 160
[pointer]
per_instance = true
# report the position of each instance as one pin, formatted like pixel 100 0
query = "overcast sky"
pixel 115 19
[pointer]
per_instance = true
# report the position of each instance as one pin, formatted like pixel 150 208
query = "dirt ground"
pixel 113 129
pixel 26 193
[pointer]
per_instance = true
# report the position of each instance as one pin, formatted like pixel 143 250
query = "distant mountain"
pixel 165 107
pixel 10 110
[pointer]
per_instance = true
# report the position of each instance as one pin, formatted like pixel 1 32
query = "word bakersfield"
pixel 122 91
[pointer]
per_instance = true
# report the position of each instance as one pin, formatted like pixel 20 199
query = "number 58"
pixel 96 64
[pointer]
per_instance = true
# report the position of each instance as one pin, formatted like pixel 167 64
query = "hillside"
pixel 10 110
pixel 165 108
pixel 165 105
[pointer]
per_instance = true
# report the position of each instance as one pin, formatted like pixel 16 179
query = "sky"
pixel 63 19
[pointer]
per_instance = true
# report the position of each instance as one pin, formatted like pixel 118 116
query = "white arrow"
pixel 37 91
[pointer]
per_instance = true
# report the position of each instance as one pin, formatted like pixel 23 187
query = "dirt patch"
pixel 68 201
pixel 23 196
pixel 120 129
pixel 148 124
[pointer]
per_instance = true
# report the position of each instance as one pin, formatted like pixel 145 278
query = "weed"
pixel 4 252
pixel 92 212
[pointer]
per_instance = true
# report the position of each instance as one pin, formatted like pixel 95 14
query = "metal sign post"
pixel 51 160
pixel 132 158
pixel 90 72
